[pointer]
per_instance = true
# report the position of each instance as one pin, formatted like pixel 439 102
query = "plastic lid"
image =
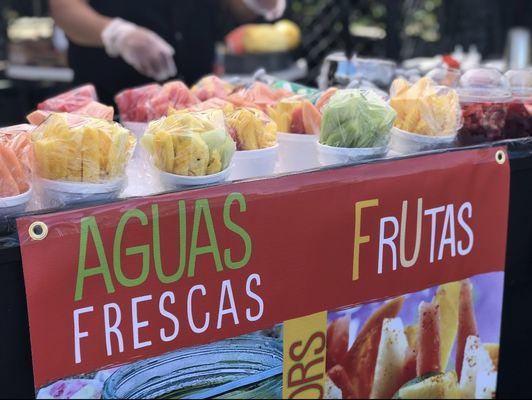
pixel 484 85
pixel 520 81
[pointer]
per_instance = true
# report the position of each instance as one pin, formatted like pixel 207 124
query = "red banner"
pixel 143 277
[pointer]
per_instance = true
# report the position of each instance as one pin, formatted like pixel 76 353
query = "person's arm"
pixel 141 48
pixel 81 23
pixel 248 10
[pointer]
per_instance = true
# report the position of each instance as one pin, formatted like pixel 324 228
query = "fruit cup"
pixel 484 98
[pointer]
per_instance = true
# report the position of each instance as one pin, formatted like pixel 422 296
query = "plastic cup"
pixel 297 152
pixel 404 142
pixel 329 155
pixel 254 163
pixel 59 193
pixel 172 181
pixel 15 204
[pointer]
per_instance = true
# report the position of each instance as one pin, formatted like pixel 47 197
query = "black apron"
pixel 190 26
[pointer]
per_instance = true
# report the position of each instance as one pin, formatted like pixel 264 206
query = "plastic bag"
pixel 252 128
pixel 190 143
pixel 90 151
pixel 356 118
pixel 91 109
pixel 212 87
pixel 133 104
pixel 15 160
pixel 296 115
pixel 425 108
pixel 70 101
pixel 258 95
pixel 173 94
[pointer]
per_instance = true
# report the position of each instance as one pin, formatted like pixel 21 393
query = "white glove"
pixel 269 9
pixel 141 48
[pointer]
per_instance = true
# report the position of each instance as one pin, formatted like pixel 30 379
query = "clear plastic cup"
pixel 519 117
pixel 484 97
pixel 297 152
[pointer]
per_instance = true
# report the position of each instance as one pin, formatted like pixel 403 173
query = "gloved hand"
pixel 269 9
pixel 141 48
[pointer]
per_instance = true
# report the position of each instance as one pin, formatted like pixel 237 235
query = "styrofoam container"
pixel 15 204
pixel 329 155
pixel 172 181
pixel 67 193
pixel 297 152
pixel 403 142
pixel 254 163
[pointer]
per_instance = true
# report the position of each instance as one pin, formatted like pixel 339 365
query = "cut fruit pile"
pixel 15 160
pixel 92 151
pixel 190 143
pixel 425 108
pixel 296 115
pixel 80 101
pixel 388 359
pixel 252 129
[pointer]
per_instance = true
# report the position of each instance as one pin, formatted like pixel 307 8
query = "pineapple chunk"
pixel 447 298
pixel 164 151
pixel 91 155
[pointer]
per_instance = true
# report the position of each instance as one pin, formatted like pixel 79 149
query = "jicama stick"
pixel 467 323
pixel 428 341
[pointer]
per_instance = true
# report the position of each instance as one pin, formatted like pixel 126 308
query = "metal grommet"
pixel 38 230
pixel 500 157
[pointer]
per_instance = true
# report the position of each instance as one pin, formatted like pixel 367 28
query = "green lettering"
pixel 130 251
pixel 182 244
pixel 238 197
pixel 89 225
pixel 202 209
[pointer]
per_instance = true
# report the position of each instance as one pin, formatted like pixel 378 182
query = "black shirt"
pixel 190 26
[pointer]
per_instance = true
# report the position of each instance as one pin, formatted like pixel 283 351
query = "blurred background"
pixel 413 34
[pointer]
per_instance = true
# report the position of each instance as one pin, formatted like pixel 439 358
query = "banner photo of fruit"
pixel 442 342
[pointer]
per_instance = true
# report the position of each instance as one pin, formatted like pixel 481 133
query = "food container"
pixel 297 152
pixel 329 155
pixel 519 117
pixel 172 181
pixel 192 370
pixel 60 193
pixel 484 99
pixel 254 163
pixel 403 142
pixel 15 204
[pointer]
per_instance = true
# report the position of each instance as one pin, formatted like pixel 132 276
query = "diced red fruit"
pixel 297 125
pixel 339 376
pixel 428 341
pixel 467 322
pixel 337 341
pixel 70 101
